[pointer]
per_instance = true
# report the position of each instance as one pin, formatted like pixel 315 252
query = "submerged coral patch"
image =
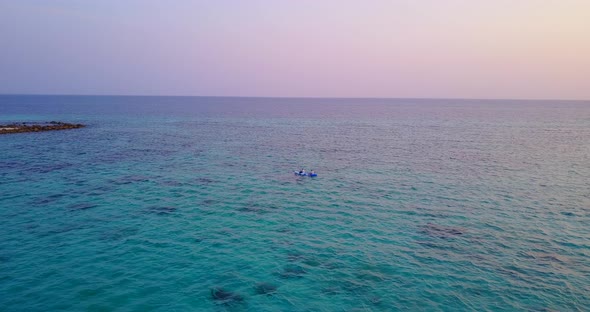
pixel 225 297
pixel 265 288
pixel 161 210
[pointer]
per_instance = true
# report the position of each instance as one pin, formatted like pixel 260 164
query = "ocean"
pixel 191 204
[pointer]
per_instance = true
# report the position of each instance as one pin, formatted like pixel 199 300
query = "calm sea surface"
pixel 190 204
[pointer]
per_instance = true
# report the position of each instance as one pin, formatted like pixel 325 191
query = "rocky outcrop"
pixel 37 127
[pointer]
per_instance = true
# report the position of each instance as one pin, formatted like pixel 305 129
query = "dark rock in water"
pixel 354 286
pixel 64 229
pixel 312 262
pixel 47 200
pixel 295 256
pixel 224 296
pixel 292 271
pixel 331 265
pixel 131 179
pixel 119 234
pixel 430 244
pixel 42 201
pixel 374 300
pixel 171 183
pixel 265 288
pixel 209 202
pixel 101 190
pixel 333 290
pixel 37 127
pixel 162 210
pixel 225 232
pixel 220 294
pixel 204 181
pixel 251 209
pixel 81 206
pixel 255 207
pixel 49 168
pixel 442 231
pixel 372 276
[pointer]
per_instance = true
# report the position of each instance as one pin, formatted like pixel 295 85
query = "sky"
pixel 508 49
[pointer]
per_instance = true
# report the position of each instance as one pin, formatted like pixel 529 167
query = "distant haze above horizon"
pixel 525 49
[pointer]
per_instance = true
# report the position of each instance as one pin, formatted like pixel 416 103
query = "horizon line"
pixel 298 97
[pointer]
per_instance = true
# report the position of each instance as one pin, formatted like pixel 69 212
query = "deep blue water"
pixel 420 205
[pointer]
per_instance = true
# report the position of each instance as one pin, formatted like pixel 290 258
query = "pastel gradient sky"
pixel 533 49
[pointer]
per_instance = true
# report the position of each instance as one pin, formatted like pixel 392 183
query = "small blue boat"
pixel 306 174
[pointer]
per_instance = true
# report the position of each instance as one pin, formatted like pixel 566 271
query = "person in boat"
pixel 303 172
pixel 312 172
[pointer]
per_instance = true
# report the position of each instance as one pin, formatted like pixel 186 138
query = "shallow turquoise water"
pixel 422 205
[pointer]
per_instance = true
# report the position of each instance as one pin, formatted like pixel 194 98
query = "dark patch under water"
pixel 161 210
pixel 81 206
pixel 130 179
pixel 41 201
pixel 225 297
pixel 292 271
pixel 265 288
pixel 441 231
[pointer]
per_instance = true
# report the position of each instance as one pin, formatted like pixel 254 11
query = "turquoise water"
pixel 190 204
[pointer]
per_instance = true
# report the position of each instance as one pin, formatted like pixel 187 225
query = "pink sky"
pixel 531 49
